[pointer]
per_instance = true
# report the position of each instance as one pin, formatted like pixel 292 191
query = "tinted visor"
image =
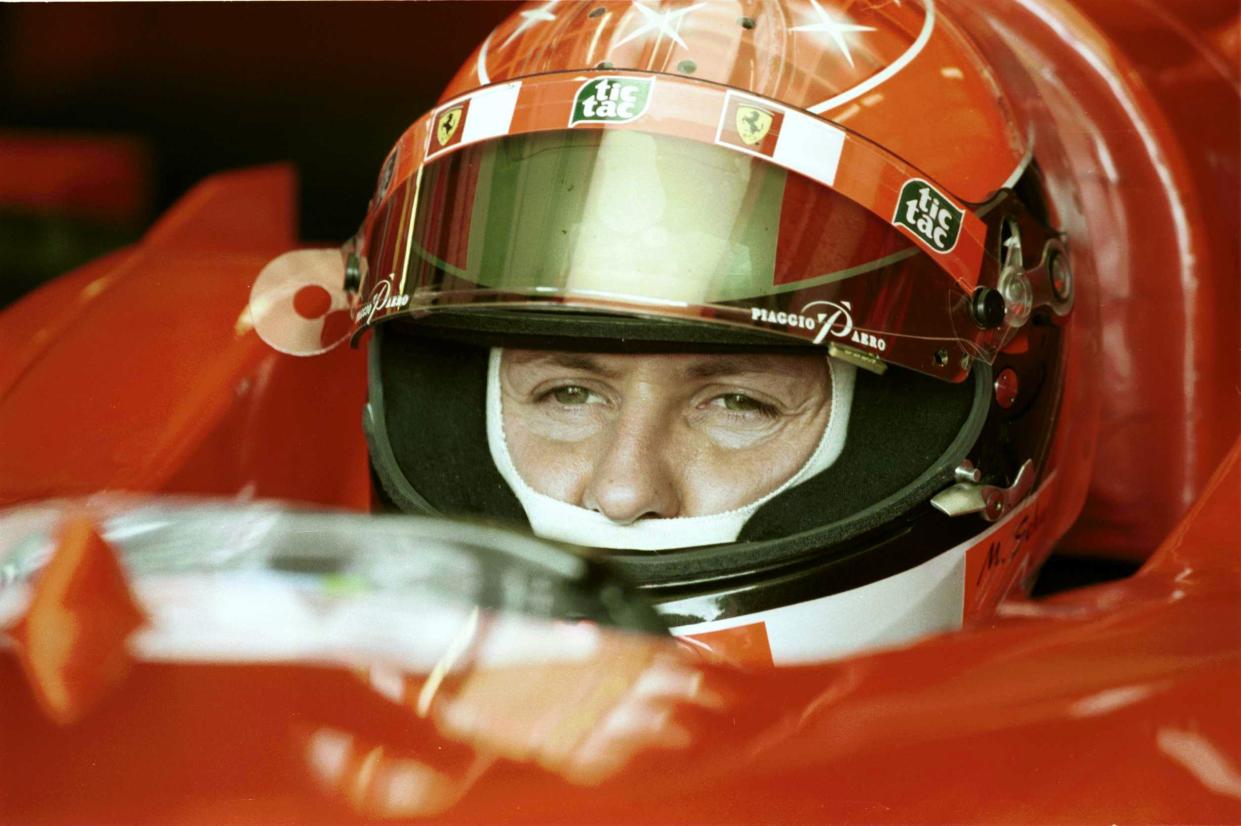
pixel 655 225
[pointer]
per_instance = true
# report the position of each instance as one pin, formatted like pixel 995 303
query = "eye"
pixel 572 395
pixel 741 403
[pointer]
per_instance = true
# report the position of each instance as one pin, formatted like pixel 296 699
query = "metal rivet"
pixel 746 22
pixel 597 11
pixel 1006 388
pixel 966 472
pixel 687 67
pixel 607 64
pixel 941 358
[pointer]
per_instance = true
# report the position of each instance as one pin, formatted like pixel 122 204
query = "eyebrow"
pixel 576 361
pixel 717 367
pixel 707 368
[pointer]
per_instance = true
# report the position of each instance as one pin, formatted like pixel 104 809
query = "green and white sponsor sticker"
pixel 611 100
pixel 929 214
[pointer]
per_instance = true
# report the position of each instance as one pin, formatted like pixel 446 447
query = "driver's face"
pixel 635 436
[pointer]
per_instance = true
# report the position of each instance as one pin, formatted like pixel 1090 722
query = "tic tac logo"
pixel 928 214
pixel 611 100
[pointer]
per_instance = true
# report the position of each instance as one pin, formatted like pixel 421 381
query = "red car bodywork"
pixel 1113 703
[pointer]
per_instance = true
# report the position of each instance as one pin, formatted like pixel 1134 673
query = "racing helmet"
pixel 771 176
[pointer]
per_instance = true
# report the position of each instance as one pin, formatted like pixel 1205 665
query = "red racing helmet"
pixel 785 175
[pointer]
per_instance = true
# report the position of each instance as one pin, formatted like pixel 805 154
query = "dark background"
pixel 193 89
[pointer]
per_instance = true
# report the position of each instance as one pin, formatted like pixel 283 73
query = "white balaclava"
pixel 552 519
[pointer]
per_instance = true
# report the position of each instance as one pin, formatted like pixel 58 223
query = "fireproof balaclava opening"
pixel 553 519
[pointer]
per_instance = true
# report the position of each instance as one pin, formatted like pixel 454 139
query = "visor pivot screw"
pixel 941 358
pixel 1006 388
pixel 989 308
pixel 353 273
pixel 995 507
pixel 1061 278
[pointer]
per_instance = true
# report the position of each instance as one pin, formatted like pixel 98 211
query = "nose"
pixel 633 478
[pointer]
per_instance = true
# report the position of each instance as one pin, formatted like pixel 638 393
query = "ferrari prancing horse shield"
pixel 753 124
pixel 447 125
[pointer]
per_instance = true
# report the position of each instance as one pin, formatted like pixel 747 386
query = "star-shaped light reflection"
pixel 834 28
pixel 531 17
pixel 666 22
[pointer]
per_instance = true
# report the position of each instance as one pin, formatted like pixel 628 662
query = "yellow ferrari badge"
pixel 446 125
pixel 753 124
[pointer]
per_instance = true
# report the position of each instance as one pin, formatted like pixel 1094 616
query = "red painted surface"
pixel 1138 103
pixel 1107 704
pixel 72 639
pixel 1103 704
pixel 143 372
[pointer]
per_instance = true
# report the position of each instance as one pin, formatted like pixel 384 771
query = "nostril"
pixel 623 507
